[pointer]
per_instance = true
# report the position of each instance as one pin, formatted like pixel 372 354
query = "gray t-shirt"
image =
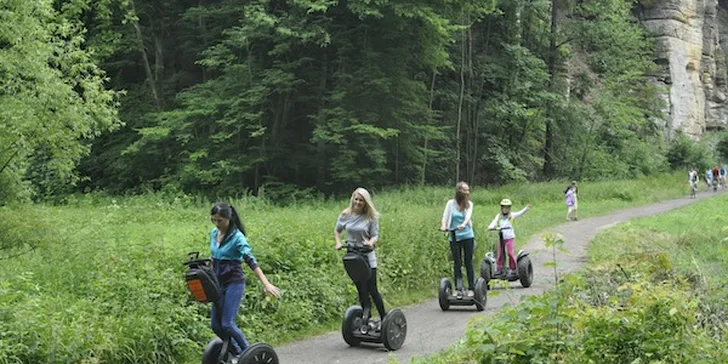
pixel 358 229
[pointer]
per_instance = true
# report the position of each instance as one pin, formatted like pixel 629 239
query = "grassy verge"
pixel 653 293
pixel 104 281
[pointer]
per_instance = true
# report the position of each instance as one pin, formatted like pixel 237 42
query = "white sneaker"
pixel 471 293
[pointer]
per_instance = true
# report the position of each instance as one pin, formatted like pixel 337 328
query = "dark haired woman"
pixel 229 248
pixel 458 215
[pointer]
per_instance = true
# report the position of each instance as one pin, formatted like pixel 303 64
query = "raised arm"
pixel 520 213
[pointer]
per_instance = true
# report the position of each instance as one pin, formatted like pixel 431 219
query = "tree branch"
pixel 7 163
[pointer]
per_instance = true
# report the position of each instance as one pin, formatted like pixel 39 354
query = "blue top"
pixel 227 257
pixel 457 218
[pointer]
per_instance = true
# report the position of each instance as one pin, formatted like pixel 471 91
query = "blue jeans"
pixel 224 325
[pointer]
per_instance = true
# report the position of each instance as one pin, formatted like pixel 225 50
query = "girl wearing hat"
pixel 504 223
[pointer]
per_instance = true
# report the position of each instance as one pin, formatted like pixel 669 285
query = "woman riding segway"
pixel 361 222
pixel 223 283
pixel 458 217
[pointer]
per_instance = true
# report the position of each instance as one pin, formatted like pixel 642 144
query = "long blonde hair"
pixel 368 210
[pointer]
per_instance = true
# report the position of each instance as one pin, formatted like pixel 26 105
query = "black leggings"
pixel 370 288
pixel 466 246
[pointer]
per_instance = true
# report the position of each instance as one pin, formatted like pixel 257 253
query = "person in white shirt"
pixel 504 223
pixel 458 216
pixel 693 179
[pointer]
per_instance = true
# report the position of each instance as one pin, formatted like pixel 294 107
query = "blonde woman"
pixel 458 216
pixel 361 222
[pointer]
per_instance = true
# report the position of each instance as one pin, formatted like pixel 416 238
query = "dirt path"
pixel 431 330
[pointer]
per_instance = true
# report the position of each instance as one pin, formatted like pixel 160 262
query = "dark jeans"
pixel 370 288
pixel 224 325
pixel 466 246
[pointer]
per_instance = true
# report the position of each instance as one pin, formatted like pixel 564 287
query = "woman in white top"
pixel 458 215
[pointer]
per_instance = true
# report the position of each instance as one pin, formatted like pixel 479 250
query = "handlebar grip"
pixel 197 261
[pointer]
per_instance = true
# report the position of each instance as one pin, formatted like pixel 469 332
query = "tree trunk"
pixel 460 106
pixel 472 158
pixel 145 59
pixel 321 144
pixel 205 42
pixel 159 67
pixel 425 151
pixel 548 161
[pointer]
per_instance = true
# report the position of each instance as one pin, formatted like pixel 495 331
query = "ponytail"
pixel 236 222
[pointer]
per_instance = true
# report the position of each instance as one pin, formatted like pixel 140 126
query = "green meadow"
pixel 100 279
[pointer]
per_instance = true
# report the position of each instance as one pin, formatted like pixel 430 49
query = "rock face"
pixel 688 35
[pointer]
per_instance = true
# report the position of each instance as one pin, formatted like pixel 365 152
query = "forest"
pixel 304 97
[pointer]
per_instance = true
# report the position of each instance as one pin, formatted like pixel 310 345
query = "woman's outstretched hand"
pixel 272 290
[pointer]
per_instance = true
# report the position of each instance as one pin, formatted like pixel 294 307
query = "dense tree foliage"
pixel 222 96
pixel 53 99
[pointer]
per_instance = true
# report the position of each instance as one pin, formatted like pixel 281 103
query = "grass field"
pixel 654 292
pixel 104 282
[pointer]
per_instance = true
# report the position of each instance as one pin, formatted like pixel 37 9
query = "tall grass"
pixel 104 282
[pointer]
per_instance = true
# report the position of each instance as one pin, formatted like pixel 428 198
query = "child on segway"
pixel 504 223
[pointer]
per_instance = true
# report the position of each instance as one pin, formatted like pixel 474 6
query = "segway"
pixel 203 285
pixel 357 326
pixel 524 268
pixel 448 297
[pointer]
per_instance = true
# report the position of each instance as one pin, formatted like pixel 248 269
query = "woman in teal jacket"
pixel 229 248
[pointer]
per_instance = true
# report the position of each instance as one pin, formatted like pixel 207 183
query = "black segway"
pixel 203 285
pixel 357 326
pixel 524 268
pixel 449 298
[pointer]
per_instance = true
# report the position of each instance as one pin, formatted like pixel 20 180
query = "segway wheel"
pixel 525 272
pixel 352 320
pixel 259 353
pixel 394 329
pixel 445 289
pixel 485 272
pixel 211 355
pixel 481 294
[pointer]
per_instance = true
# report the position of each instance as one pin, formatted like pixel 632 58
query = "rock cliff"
pixel 689 35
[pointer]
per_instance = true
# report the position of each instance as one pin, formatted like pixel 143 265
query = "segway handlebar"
pixel 357 247
pixel 195 260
